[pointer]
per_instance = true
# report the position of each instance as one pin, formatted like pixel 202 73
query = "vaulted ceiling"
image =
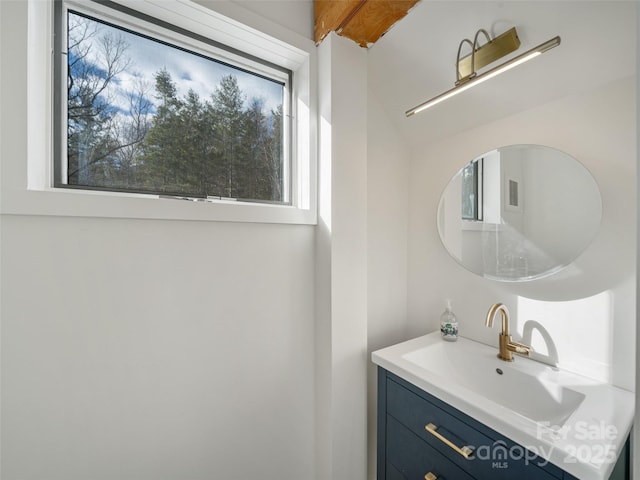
pixel 415 60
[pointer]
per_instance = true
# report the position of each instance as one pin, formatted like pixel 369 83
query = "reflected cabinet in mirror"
pixel 519 213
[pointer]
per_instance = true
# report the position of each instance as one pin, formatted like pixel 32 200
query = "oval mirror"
pixel 519 213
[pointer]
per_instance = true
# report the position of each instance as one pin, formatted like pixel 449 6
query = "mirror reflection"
pixel 519 213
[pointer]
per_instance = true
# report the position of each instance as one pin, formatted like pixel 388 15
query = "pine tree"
pixel 227 108
pixel 193 144
pixel 254 136
pixel 275 157
pixel 162 160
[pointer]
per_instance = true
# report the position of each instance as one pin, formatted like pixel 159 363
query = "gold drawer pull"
pixel 465 451
pixel 430 476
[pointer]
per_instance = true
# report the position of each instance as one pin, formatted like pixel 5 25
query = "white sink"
pixel 576 423
pixel 534 396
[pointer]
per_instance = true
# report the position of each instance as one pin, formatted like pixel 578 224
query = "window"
pixel 35 178
pixel 472 201
pixel 145 107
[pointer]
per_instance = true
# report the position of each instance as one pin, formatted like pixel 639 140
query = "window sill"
pixel 84 203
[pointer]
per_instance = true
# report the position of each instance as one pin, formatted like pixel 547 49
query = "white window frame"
pixel 27 186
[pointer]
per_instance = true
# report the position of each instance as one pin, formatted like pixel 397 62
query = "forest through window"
pixel 146 116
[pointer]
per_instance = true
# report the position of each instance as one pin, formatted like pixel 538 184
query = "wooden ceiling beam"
pixel 363 21
pixel 331 14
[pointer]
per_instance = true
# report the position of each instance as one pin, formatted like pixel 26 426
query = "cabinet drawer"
pixel 494 458
pixel 414 458
pixel 393 473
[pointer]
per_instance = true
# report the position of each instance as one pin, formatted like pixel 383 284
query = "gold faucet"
pixel 507 346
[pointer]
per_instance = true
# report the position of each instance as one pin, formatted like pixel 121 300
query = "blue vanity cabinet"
pixel 420 437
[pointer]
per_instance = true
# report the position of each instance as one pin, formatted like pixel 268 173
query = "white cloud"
pixel 188 71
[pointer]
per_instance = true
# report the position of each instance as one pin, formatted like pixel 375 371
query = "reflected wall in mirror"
pixel 519 213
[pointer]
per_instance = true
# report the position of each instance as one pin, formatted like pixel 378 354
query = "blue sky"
pixel 188 71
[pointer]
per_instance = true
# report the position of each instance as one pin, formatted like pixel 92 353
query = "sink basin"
pixel 577 423
pixel 533 396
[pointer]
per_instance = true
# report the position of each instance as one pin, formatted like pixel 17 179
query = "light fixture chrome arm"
pixel 514 62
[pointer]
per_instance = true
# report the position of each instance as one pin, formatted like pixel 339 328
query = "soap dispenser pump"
pixel 449 324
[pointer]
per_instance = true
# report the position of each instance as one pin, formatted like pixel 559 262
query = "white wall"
pixel 342 256
pixel 361 248
pixel 349 257
pixel 387 227
pixel 149 349
pixel 361 251
pixel 296 15
pixel 588 308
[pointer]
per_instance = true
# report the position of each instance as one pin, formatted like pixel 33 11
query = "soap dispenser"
pixel 449 324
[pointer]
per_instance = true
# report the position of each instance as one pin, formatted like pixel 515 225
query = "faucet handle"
pixel 521 348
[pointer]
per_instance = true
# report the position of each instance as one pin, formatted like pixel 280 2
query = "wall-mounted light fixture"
pixel 466 68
